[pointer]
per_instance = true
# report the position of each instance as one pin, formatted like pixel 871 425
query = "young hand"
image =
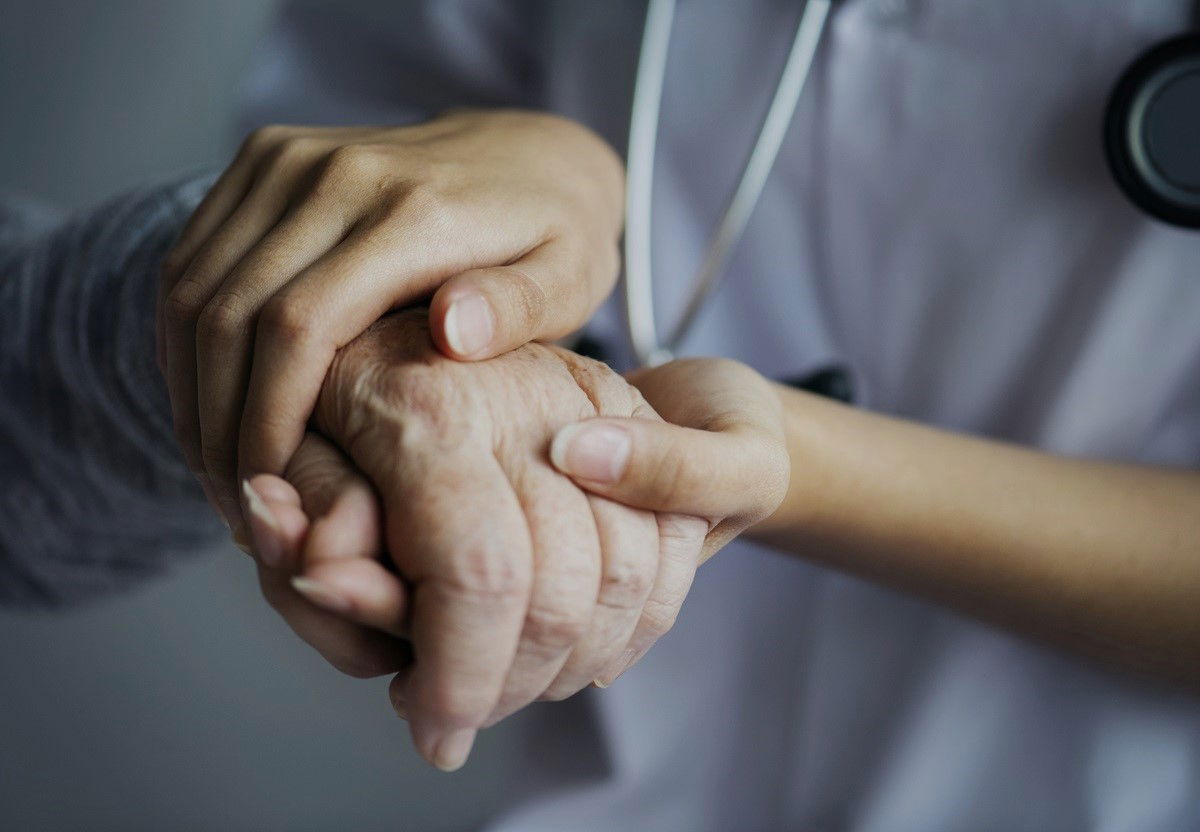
pixel 720 453
pixel 508 219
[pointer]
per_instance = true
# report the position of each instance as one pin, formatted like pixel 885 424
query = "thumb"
pixel 663 467
pixel 486 312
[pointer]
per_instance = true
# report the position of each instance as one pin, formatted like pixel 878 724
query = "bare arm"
pixel 1100 558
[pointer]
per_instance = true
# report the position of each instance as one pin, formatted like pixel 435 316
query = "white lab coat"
pixel 940 221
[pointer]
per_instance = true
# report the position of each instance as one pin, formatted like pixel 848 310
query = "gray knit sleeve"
pixel 94 495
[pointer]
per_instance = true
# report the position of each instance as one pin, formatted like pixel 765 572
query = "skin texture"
pixel 511 583
pixel 1099 558
pixel 505 221
pixel 472 526
pixel 1102 559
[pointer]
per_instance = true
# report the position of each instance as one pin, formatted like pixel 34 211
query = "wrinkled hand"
pixel 508 219
pixel 513 584
pixel 720 454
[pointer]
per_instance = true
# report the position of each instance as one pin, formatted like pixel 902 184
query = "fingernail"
pixel 469 325
pixel 591 451
pixel 263 526
pixel 320 594
pixel 452 751
pixel 614 670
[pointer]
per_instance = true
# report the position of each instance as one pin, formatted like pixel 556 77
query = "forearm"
pixel 1101 558
pixel 93 494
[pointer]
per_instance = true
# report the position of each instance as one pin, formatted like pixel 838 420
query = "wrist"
pixel 810 506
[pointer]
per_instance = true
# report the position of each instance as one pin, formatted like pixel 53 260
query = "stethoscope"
pixel 1151 140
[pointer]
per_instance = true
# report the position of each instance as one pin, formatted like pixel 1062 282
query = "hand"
pixel 508 219
pixel 520 586
pixel 326 507
pixel 720 453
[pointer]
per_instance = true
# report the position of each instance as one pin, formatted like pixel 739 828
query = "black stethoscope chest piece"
pixel 1152 131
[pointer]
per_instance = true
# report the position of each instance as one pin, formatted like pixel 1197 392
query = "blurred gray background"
pixel 187 705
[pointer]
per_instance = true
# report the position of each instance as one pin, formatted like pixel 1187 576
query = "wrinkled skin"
pixel 312 233
pixel 512 583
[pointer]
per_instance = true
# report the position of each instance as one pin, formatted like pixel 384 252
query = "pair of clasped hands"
pixel 356 330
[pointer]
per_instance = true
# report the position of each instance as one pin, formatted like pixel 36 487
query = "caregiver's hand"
pixel 520 585
pixel 721 453
pixel 508 218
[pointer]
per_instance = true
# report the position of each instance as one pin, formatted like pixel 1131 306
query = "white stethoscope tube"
pixel 643 133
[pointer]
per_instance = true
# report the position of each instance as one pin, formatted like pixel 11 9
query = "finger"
pixel 225 329
pixel 301 328
pixel 566 582
pixel 276 521
pixel 248 223
pixel 360 590
pixel 340 569
pixel 222 198
pixel 216 206
pixel 485 312
pixel 629 546
pixel 351 648
pixel 457 531
pixel 379 267
pixel 323 487
pixel 680 545
pixel 451 752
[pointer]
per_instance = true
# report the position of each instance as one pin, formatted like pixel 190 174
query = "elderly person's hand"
pixel 513 584
pixel 506 220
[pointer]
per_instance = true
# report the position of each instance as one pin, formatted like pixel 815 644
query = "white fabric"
pixel 940 220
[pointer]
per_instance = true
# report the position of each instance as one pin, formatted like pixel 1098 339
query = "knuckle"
pixel 671 477
pixel 350 163
pixel 294 150
pixel 222 318
pixel 528 298
pixel 553 629
pixel 482 573
pixel 423 203
pixel 288 319
pixel 457 705
pixel 626 582
pixel 182 304
pixel 263 138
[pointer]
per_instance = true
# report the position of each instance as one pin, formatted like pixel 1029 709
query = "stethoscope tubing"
pixel 641 320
